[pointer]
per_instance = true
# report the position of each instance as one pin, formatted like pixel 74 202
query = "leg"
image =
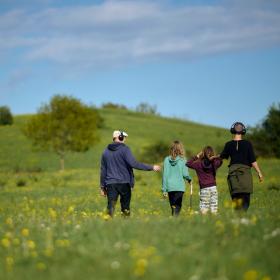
pixel 178 202
pixel 171 196
pixel 175 200
pixel 125 193
pixel 241 201
pixel 112 196
pixel 246 201
pixel 214 200
pixel 204 203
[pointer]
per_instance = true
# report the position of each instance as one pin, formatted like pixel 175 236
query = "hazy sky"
pixel 213 62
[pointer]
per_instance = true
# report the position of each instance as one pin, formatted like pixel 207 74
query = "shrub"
pixel 6 117
pixel 155 152
pixel 147 108
pixel 110 105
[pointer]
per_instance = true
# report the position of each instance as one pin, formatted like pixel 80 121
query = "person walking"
pixel 175 173
pixel 116 174
pixel 206 164
pixel 242 158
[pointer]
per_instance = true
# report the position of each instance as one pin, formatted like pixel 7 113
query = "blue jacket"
pixel 175 173
pixel 117 165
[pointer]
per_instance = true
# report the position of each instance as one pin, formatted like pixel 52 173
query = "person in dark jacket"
pixel 116 176
pixel 206 164
pixel 242 158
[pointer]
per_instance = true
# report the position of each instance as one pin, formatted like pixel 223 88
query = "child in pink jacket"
pixel 206 164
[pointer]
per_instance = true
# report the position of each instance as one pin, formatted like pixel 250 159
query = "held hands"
pixel 156 168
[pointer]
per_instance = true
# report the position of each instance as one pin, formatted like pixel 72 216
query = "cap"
pixel 117 133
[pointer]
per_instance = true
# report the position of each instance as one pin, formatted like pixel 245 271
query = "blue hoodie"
pixel 117 165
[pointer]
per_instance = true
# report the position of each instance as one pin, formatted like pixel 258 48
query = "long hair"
pixel 177 149
pixel 207 153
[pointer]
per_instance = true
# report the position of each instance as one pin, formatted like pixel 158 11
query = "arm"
pixel 186 174
pixel 256 167
pixel 225 153
pixel 253 161
pixel 133 163
pixel 217 162
pixel 193 163
pixel 103 172
pixel 164 176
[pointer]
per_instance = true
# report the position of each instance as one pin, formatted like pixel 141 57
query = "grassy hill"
pixel 53 224
pixel 143 130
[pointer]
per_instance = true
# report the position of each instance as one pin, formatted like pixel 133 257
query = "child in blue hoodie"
pixel 175 173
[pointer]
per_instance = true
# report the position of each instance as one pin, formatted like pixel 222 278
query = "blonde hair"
pixel 177 149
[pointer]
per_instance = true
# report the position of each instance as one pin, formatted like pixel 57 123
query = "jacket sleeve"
pixel 165 176
pixel 186 174
pixel 217 163
pixel 193 163
pixel 133 163
pixel 103 172
pixel 225 153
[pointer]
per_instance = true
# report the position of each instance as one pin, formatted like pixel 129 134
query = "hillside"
pixel 17 152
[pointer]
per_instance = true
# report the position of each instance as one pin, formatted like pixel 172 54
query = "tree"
pixel 146 108
pixel 266 136
pixel 63 125
pixel 6 117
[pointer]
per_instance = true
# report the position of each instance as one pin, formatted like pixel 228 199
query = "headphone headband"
pixel 234 131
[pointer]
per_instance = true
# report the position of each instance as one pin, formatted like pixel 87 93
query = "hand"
pixel 199 154
pixel 214 157
pixel 260 176
pixel 103 192
pixel 165 194
pixel 156 168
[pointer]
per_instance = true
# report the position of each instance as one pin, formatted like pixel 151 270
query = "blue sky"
pixel 213 62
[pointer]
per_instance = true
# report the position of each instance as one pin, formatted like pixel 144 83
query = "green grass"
pixel 70 237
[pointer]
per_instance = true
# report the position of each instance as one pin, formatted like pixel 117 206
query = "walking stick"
pixel 191 192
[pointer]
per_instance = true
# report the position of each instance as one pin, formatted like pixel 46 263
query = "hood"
pixel 173 162
pixel 207 164
pixel 115 146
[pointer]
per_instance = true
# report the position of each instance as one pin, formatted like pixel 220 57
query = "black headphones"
pixel 121 136
pixel 233 130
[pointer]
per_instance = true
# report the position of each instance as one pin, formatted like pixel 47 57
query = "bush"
pixel 266 136
pixel 156 152
pixel 110 105
pixel 21 183
pixel 147 108
pixel 6 117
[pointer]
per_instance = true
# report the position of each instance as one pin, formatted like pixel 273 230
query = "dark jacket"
pixel 205 170
pixel 117 165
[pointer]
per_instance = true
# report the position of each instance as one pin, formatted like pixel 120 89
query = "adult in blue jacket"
pixel 116 176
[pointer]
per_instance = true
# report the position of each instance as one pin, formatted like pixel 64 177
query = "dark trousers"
pixel 175 200
pixel 113 192
pixel 241 200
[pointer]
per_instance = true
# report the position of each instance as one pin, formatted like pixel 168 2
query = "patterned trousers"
pixel 208 200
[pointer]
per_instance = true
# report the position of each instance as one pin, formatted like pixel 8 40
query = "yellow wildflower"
pixel 250 275
pixel 25 232
pixel 5 242
pixel 9 221
pixel 31 244
pixel 141 266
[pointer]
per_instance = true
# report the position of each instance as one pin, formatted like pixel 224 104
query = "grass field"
pixel 53 224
